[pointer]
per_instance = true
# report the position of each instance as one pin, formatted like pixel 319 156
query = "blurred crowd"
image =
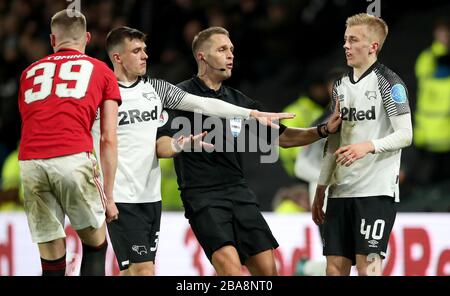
pixel 276 45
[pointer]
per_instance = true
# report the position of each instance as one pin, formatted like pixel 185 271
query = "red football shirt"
pixel 59 96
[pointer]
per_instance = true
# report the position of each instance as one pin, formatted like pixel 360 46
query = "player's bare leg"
pixel 226 261
pixel 262 264
pixel 140 269
pixel 53 257
pixel 94 250
pixel 52 250
pixel 125 272
pixel 93 237
pixel 338 266
pixel 369 265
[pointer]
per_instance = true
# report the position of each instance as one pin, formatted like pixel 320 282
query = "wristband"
pixel 319 130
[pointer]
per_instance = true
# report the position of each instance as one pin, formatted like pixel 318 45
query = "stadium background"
pixel 281 48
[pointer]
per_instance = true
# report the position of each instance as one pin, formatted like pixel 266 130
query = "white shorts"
pixel 55 187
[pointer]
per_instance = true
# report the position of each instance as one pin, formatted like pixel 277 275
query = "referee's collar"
pixel 204 88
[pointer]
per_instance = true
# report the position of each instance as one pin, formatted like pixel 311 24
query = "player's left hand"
pixel 347 155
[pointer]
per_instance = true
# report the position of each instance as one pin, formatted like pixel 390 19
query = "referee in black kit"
pixel 222 211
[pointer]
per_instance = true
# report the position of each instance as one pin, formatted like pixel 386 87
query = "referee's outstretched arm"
pixel 293 137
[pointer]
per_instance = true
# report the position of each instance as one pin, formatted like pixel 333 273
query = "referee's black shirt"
pixel 203 172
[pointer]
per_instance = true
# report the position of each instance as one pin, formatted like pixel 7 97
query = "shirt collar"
pixel 204 88
pixel 131 85
pixel 367 72
pixel 63 49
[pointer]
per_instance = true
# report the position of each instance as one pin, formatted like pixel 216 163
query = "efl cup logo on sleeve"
pixel 398 93
pixel 163 118
pixel 235 126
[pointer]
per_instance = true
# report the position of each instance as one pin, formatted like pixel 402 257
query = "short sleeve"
pixel 111 88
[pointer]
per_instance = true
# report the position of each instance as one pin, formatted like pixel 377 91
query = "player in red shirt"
pixel 58 99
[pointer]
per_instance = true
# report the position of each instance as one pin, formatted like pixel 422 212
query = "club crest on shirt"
pixel 149 96
pixel 235 126
pixel 370 94
pixel 398 93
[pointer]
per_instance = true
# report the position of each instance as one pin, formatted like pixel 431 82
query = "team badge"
pixel 149 96
pixel 398 93
pixel 139 249
pixel 370 94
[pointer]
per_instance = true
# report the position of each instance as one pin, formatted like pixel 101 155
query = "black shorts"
pixel 134 236
pixel 358 226
pixel 232 223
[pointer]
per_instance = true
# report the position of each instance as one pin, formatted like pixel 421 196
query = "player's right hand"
pixel 112 213
pixel 318 214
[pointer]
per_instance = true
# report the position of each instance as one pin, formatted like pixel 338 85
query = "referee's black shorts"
pixel 134 236
pixel 231 222
pixel 358 226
